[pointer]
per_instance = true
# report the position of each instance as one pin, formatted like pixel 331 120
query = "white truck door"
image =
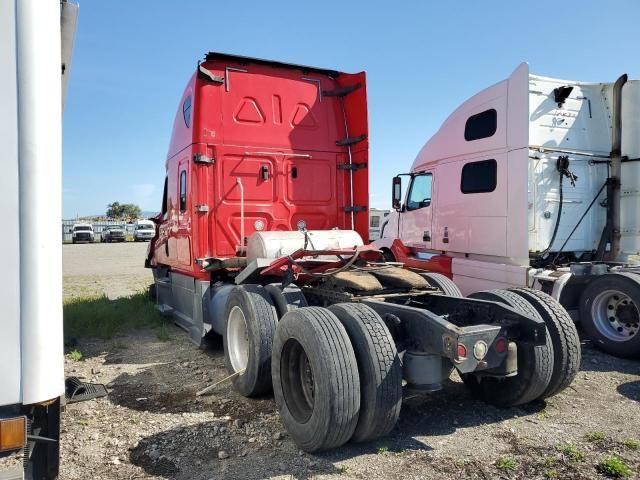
pixel 415 218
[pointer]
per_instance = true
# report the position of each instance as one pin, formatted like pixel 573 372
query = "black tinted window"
pixel 479 177
pixel 164 197
pixel 186 111
pixel 183 191
pixel 481 125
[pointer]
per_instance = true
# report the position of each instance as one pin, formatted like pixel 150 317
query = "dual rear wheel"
pixel 335 372
pixel 544 370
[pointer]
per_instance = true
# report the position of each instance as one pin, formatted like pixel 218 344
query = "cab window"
pixel 183 191
pixel 420 191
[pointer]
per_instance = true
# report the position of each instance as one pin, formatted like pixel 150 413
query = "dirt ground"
pixel 152 426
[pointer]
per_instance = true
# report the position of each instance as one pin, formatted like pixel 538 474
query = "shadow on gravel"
pixel 193 452
pixel 631 390
pixel 594 360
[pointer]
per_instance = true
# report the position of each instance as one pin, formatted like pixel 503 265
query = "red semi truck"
pixel 262 240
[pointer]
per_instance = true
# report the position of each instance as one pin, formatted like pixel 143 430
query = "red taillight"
pixel 501 345
pixel 462 351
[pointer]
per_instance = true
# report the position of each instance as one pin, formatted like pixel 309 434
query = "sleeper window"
pixel 479 177
pixel 419 192
pixel 481 125
pixel 186 111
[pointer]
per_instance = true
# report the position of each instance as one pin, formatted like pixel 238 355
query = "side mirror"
pixel 396 194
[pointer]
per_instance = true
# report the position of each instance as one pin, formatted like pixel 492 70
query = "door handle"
pixel 294 172
pixel 264 172
pixel 426 236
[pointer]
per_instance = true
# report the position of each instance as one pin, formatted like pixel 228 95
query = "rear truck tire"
pixel 286 298
pixel 315 379
pixel 610 312
pixel 535 363
pixel 564 338
pixel 379 369
pixel 443 283
pixel 250 326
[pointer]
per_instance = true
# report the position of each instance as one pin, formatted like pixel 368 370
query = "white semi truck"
pixel 535 182
pixel 36 39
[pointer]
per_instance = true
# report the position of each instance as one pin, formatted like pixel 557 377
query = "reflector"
pixel 13 433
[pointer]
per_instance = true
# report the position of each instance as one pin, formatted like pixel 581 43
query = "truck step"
pixel 164 310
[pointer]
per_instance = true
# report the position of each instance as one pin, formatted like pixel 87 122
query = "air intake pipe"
pixel 615 174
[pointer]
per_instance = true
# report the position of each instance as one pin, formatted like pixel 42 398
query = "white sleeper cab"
pixel 534 182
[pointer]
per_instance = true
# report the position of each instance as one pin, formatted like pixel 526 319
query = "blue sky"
pixel 132 60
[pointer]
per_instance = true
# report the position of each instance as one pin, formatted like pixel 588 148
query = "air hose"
pixel 562 166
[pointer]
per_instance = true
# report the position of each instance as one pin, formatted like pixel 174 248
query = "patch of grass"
pixel 162 333
pixel 505 464
pixel 83 421
pixel 631 443
pixel 342 469
pixel 98 316
pixel 383 450
pixel 75 355
pixel 595 436
pixel 571 452
pixel 614 467
pixel 550 473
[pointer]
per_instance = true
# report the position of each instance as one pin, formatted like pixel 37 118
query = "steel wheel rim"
pixel 237 339
pixel 298 384
pixel 615 315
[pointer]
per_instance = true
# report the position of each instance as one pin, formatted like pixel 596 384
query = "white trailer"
pixel 534 181
pixel 31 342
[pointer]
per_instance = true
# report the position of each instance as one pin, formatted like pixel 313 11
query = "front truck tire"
pixel 564 338
pixel 535 363
pixel 610 312
pixel 250 326
pixel 379 369
pixel 315 379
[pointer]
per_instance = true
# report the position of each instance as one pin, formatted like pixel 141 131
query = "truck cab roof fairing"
pixel 246 60
pixel 510 97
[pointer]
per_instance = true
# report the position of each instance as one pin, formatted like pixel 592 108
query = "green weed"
pixel 614 467
pixel 505 464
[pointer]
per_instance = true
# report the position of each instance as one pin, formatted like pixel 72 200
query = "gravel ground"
pixel 152 426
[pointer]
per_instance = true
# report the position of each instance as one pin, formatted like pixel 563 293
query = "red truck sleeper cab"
pixel 283 146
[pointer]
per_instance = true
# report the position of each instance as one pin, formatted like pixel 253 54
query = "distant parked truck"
pixel 534 182
pixel 144 230
pixel 82 233
pixel 113 233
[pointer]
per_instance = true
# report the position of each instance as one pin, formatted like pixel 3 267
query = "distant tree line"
pixel 117 210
